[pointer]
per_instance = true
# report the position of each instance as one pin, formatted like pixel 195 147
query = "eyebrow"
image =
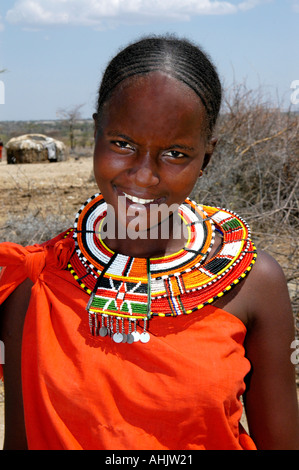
pixel 129 139
pixel 122 136
pixel 183 147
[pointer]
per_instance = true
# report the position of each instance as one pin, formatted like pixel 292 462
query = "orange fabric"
pixel 179 391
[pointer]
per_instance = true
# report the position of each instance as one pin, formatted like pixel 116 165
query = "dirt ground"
pixel 44 191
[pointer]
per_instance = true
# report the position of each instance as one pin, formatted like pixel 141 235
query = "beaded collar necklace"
pixel 126 292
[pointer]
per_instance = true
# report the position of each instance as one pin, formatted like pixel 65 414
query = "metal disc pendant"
pixel 103 331
pixel 135 335
pixel 130 338
pixel 144 337
pixel 124 338
pixel 117 337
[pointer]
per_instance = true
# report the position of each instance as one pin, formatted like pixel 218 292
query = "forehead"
pixel 154 102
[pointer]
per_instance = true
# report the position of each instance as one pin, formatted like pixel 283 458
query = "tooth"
pixel 138 200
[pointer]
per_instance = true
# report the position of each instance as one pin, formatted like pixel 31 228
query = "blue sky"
pixel 55 51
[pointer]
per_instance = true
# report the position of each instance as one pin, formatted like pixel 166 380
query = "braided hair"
pixel 178 58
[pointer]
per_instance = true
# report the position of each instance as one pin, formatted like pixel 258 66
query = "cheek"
pixel 106 163
pixel 101 162
pixel 183 181
pixel 97 169
pixel 101 171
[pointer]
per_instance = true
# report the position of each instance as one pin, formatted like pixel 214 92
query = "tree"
pixel 70 115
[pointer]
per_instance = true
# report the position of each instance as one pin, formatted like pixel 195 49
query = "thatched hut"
pixel 33 148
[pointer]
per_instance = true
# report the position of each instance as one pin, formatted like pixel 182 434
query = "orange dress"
pixel 179 391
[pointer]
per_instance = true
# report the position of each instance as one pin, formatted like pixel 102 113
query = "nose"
pixel 146 175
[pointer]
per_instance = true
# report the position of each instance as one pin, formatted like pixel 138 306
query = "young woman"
pixel 139 326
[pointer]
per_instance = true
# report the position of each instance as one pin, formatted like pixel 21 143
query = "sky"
pixel 55 51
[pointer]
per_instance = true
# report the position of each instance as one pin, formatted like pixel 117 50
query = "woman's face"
pixel 150 145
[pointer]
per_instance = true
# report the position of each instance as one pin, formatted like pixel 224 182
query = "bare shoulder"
pixel 266 287
pixel 269 309
pixel 252 300
pixel 268 268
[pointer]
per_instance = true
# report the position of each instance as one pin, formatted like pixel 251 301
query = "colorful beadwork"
pixel 124 289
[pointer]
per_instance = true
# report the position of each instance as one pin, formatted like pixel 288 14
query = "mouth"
pixel 139 200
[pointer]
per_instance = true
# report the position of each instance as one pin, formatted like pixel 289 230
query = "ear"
pixel 209 151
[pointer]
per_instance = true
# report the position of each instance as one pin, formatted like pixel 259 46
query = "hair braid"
pixel 178 57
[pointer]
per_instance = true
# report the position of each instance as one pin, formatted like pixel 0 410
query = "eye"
pixel 122 144
pixel 175 154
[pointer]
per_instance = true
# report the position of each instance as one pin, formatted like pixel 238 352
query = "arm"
pixel 12 317
pixel 270 401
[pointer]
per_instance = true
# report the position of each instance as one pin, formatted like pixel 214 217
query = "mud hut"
pixel 34 148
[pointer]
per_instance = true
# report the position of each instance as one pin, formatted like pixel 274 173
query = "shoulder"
pixel 266 286
pixel 261 295
pixel 267 268
pixel 267 277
